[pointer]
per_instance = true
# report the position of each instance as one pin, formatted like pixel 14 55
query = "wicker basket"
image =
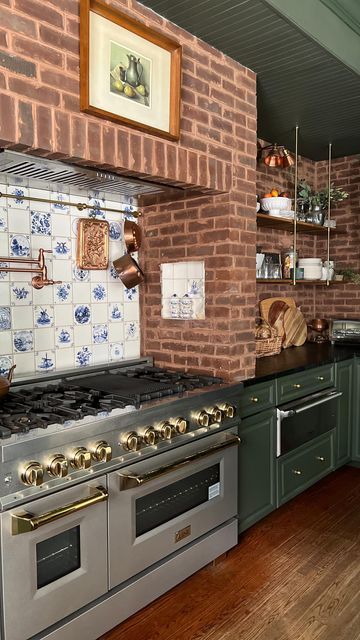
pixel 268 346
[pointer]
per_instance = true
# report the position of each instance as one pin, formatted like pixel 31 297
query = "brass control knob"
pixel 101 451
pixel 58 466
pixel 228 409
pixel 165 430
pixel 81 458
pixel 130 441
pixel 149 436
pixel 179 425
pixel 215 414
pixel 32 474
pixel 203 419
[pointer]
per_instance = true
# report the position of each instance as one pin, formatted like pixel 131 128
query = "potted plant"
pixel 303 198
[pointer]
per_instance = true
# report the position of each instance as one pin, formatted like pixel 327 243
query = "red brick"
pixel 37 51
pixel 60 80
pixel 39 10
pixel 7 120
pixel 18 24
pixel 26 123
pixel 62 132
pixel 44 131
pixel 58 39
pixel 39 93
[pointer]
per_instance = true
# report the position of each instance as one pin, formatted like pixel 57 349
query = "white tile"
pixel 64 337
pixel 98 275
pixel 61 248
pixel 4 244
pixel 23 341
pixel 132 349
pixel 61 225
pixel 132 331
pixel 22 318
pixel 99 313
pixel 25 363
pixel 199 308
pixel 180 270
pixel 116 312
pixel 40 193
pixel 99 292
pixel 40 242
pixel 21 294
pixel 18 221
pixel 117 351
pixel 131 311
pixel 44 296
pixel 167 270
pixel 63 314
pixel 197 269
pixel 19 190
pixel 44 339
pixel 180 287
pixel 115 291
pixel 167 288
pixel 3 220
pixel 116 332
pixel 63 293
pixel 4 293
pixel 62 270
pixel 81 292
pixel 83 356
pixel 45 361
pixel 43 316
pixel 6 345
pixel 82 335
pixel 65 358
pixel 100 353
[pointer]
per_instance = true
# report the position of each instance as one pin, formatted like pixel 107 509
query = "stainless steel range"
pixel 115 486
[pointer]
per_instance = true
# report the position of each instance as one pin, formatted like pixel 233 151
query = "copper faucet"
pixel 38 281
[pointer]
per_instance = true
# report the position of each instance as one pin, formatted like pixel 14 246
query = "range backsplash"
pixel 90 318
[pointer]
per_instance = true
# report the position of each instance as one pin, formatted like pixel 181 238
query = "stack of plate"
pixel 289 215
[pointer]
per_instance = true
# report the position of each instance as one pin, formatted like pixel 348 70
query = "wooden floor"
pixel 294 576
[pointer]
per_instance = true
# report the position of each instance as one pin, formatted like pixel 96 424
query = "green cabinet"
pixel 257 468
pixel 297 385
pixel 344 383
pixel 257 397
pixel 355 451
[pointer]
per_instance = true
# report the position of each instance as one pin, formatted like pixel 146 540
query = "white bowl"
pixel 308 262
pixel 312 272
pixel 275 204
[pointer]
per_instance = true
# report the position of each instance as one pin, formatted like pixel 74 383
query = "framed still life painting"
pixel 129 73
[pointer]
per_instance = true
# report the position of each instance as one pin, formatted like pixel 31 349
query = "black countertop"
pixel 299 358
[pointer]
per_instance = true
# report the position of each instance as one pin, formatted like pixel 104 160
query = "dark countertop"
pixel 299 358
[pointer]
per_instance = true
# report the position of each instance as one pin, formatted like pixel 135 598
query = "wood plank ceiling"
pixel 299 81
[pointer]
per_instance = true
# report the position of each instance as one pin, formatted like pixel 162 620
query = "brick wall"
pixel 39 113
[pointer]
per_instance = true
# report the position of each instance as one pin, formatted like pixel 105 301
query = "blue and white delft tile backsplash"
pixel 87 319
pixel 183 290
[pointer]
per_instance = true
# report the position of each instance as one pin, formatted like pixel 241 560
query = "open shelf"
pixel 271 222
pixel 320 283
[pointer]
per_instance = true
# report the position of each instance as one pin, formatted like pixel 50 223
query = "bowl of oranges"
pixel 275 201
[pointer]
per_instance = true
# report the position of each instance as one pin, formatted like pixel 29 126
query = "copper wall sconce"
pixel 277 156
pixel 39 281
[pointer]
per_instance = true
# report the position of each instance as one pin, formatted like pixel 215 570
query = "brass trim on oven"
pixel 25 522
pixel 130 481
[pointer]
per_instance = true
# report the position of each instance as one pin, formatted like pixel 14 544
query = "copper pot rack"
pixel 81 206
pixel 39 281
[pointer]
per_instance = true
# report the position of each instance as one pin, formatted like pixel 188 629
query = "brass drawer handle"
pixel 297 386
pixel 25 522
pixel 320 378
pixel 254 399
pixel 320 458
pixel 297 472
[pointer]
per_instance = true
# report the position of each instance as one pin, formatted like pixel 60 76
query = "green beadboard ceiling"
pixel 306 54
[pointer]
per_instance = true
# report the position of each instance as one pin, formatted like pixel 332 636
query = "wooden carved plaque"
pixel 93 244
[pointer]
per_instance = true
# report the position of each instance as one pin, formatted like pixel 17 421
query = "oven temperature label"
pixel 213 491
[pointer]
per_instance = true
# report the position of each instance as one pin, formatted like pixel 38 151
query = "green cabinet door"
pixel 355 452
pixel 257 470
pixel 344 383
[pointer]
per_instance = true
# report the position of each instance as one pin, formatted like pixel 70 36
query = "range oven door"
pixel 159 505
pixel 54 558
pixel 305 419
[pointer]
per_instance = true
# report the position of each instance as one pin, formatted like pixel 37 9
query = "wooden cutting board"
pixel 265 305
pixel 295 328
pixel 276 317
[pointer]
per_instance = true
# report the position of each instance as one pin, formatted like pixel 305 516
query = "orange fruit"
pixel 267 195
pixel 274 193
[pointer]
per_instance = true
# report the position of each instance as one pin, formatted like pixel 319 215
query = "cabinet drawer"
pixel 300 469
pixel 256 398
pixel 300 384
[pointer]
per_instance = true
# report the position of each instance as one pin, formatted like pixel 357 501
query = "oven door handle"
pixel 25 522
pixel 327 398
pixel 131 481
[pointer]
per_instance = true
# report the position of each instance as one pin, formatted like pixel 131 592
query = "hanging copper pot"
pixel 132 236
pixel 129 271
pixel 6 382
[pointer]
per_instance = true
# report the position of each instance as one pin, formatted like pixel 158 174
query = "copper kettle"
pixel 6 382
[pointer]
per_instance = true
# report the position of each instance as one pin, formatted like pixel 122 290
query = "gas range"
pixel 64 430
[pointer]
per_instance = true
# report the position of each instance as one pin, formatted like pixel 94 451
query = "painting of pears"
pixel 130 74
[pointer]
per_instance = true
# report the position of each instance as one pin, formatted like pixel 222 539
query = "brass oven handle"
pixel 25 522
pixel 130 481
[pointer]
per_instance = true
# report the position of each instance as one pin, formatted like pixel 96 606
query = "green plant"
pixel 321 198
pixel 304 190
pixel 350 275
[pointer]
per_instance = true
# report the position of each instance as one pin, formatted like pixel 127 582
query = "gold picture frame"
pixel 129 73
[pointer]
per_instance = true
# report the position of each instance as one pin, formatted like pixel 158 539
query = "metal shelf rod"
pixel 81 206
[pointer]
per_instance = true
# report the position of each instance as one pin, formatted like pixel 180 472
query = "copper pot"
pixel 129 271
pixel 132 236
pixel 6 382
pixel 319 324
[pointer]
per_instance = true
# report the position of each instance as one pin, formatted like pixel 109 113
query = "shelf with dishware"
pixel 287 224
pixel 290 282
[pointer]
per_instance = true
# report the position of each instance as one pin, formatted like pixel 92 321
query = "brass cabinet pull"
pixel 254 399
pixel 320 458
pixel 297 472
pixel 130 481
pixel 25 522
pixel 297 386
pixel 321 378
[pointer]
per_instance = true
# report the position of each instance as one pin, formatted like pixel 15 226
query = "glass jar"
pixel 289 262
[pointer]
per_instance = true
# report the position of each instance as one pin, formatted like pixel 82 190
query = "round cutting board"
pixel 276 316
pixel 265 305
pixel 295 328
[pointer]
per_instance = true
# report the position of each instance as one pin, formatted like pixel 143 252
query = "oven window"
pixel 58 556
pixel 171 501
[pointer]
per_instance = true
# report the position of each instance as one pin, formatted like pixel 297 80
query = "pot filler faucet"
pixel 39 281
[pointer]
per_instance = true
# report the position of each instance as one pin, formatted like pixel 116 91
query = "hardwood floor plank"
pixel 293 576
